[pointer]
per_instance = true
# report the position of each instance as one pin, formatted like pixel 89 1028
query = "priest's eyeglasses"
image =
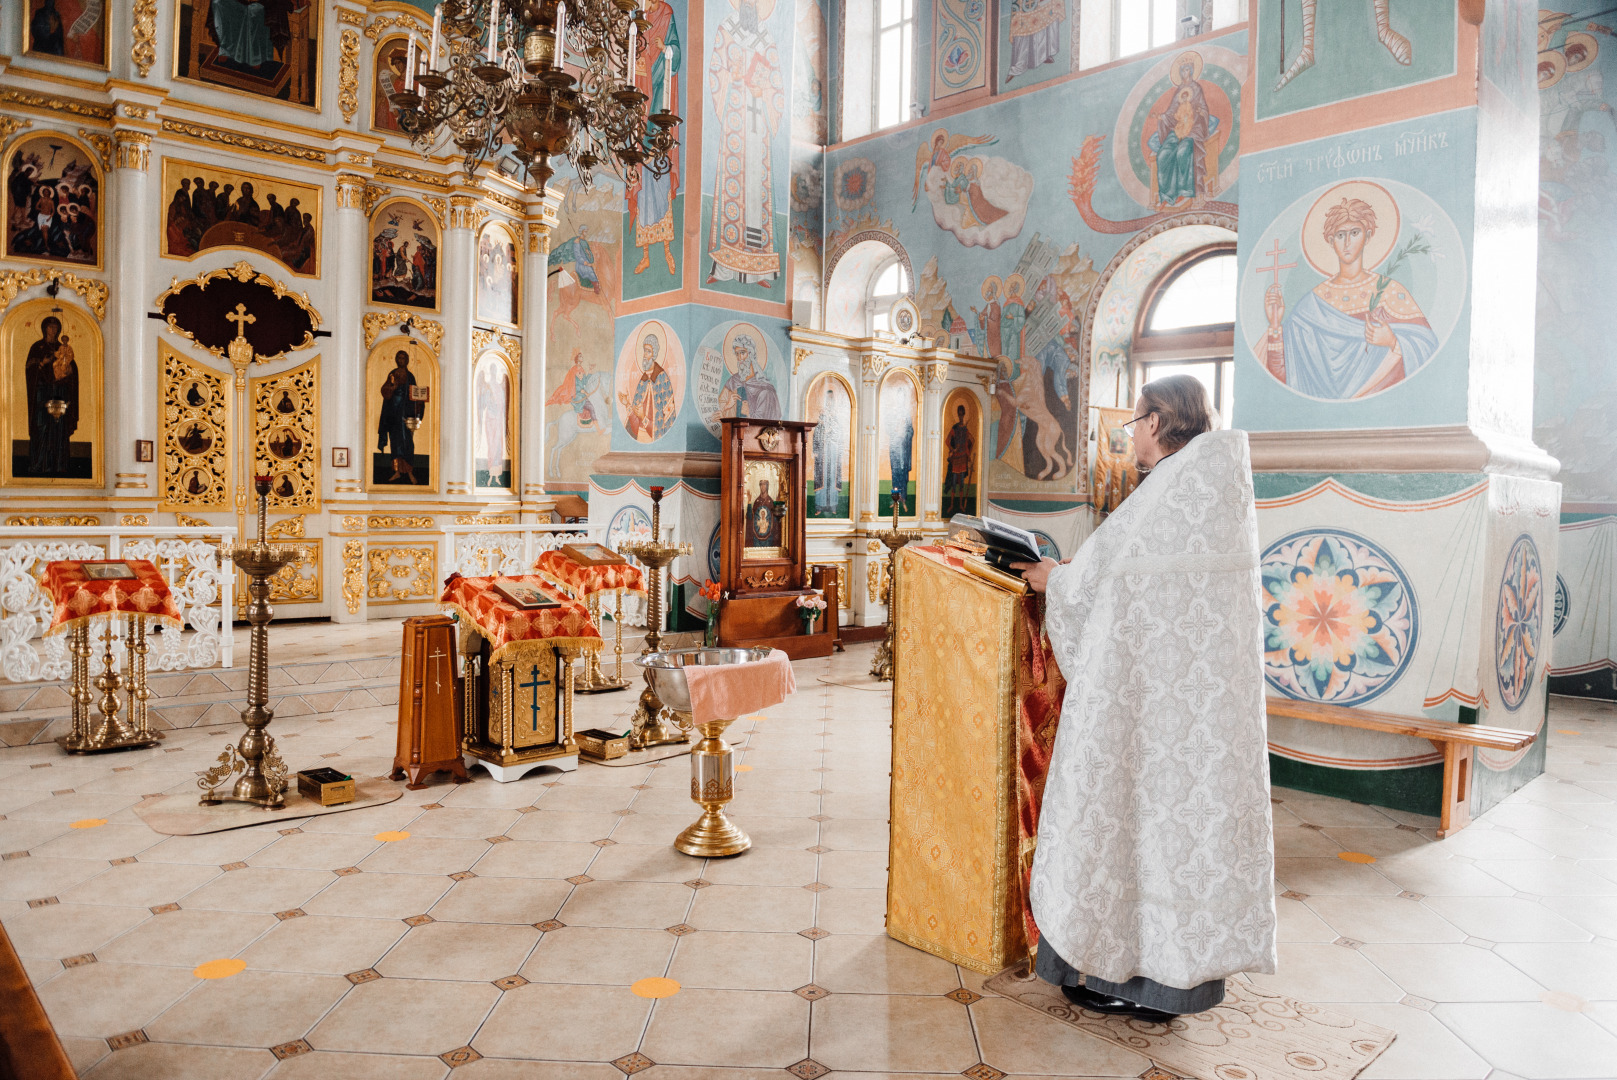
pixel 1136 420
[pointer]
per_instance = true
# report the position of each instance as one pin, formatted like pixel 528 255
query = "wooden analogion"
pixel 762 550
pixel 429 687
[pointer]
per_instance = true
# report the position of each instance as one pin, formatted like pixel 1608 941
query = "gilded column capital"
pixel 872 365
pixel 539 238
pixel 464 213
pixel 134 149
pixel 350 192
pixel 934 373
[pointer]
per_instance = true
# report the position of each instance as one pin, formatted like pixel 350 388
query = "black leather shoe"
pixel 1096 1002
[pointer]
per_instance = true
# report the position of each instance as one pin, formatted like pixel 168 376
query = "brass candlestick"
pixel 653 722
pixel 894 538
pixel 595 680
pixel 92 733
pixel 263 773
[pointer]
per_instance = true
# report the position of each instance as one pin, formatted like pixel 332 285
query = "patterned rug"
pixel 181 815
pixel 1253 1035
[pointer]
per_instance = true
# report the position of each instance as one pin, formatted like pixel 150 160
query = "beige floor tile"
pixel 706 1072
pixel 34 877
pixel 1424 1049
pixel 777 832
pixel 316 851
pixel 846 834
pixel 1523 814
pixel 1383 918
pixel 60 930
pixel 724 960
pixel 855 1031
pixel 181 1062
pixel 378 896
pixel 1479 843
pixel 511 1069
pixel 533 859
pixel 1587 969
pixel 1016 1039
pixel 1320 972
pixel 756 801
pixel 188 938
pixel 1332 877
pixel 73 807
pixel 876 964
pixel 254 1008
pixel 854 869
pixel 1505 918
pixel 853 911
pixel 1452 972
pixel 1544 877
pixel 1533 1040
pixel 367 821
pixel 761 1030
pixel 259 888
pixel 501 900
pixel 870 805
pixel 324 944
pixel 635 904
pixel 425 855
pixel 1385 842
pixel 454 821
pixel 643 862
pixel 605 955
pixel 1596 914
pixel 764 867
pixel 84 1053
pixel 420 1016
pixel 656 829
pixel 107 842
pixel 232 845
pixel 567 825
pixel 325 1065
pixel 17 834
pixel 98 1000
pixel 1322 810
pixel 141 884
pixel 1442 877
pixel 564 1023
pixel 592 799
pixel 473 952
pixel 486 792
pixel 754 908
pixel 1297 922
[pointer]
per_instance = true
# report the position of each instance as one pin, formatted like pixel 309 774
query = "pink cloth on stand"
pixel 724 692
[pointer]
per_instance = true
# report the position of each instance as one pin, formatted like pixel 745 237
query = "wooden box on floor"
pixel 429 686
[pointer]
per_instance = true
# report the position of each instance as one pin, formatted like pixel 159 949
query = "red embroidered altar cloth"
pixel 586 581
pixel 79 598
pixel 510 630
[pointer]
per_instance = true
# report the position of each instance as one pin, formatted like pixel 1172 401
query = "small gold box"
pixel 326 786
pixel 601 745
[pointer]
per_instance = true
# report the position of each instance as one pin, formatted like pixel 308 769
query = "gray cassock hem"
pixel 1140 990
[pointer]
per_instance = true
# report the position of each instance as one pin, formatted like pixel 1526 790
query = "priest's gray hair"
pixel 1181 407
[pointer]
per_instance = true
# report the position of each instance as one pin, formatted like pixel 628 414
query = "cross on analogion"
pixel 437 670
pixel 241 319
pixel 534 683
pixel 1275 265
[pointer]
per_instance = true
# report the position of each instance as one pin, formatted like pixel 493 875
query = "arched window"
pixel 1187 325
pixel 887 285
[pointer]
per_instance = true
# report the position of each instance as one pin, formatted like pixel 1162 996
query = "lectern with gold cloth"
pixel 976 699
pixel 517 708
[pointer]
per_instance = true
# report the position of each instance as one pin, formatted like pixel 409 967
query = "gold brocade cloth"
pixel 976 700
pixel 78 597
pixel 515 634
pixel 586 581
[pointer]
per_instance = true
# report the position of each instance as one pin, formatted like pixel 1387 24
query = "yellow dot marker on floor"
pixel 1567 731
pixel 755 716
pixel 88 823
pixel 219 969
pixel 656 987
pixel 743 768
pixel 389 837
pixel 1355 856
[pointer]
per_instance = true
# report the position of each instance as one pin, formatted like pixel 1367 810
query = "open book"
pixel 1006 543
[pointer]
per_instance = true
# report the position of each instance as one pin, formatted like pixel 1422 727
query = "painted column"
pixel 131 385
pixel 343 422
pixel 535 384
pixel 867 611
pixel 454 360
pixel 930 490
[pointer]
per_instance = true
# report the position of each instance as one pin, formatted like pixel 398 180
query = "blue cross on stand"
pixel 534 683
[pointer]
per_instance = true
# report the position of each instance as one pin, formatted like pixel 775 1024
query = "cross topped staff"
pixel 241 319
pixel 1275 265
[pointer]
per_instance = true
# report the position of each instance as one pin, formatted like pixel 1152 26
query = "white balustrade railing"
pixel 494 550
pixel 188 562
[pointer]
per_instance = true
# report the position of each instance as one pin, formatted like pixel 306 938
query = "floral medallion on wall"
pixel 1519 622
pixel 629 523
pixel 1563 603
pixel 1340 621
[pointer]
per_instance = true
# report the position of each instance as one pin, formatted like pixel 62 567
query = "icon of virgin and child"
pixel 1361 330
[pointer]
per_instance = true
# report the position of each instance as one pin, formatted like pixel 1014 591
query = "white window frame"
pixel 880 306
pixel 904 28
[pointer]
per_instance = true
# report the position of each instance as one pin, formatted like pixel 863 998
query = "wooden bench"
pixel 1454 740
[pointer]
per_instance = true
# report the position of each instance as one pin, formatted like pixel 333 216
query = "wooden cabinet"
pixel 429 684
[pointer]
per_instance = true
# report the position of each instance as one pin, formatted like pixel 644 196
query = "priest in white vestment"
pixel 1153 878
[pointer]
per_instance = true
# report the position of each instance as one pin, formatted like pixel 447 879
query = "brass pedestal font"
pixel 894 538
pixel 263 773
pixel 653 723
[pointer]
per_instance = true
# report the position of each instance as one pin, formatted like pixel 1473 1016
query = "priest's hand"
pixel 1036 574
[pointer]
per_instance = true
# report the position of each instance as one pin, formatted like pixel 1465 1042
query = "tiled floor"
pixel 501 938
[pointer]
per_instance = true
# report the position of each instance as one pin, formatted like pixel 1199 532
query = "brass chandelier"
pixel 494 74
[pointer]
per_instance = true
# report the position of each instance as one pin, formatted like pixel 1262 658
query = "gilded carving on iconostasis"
pixel 404 255
pixel 402 410
pixel 829 403
pixel 53 201
pixel 209 208
pixel 286 435
pixel 50 425
pixel 495 428
pixel 73 30
pixel 265 49
pixel 498 295
pixel 195 461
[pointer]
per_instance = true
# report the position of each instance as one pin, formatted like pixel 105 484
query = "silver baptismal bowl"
pixel 712 765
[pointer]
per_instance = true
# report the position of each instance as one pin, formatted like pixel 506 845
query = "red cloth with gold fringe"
pixel 505 625
pixel 79 597
pixel 585 581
